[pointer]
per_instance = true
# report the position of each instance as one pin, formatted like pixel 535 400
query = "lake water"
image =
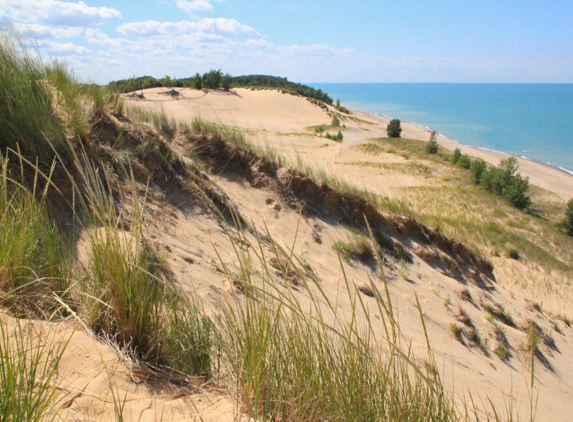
pixel 529 120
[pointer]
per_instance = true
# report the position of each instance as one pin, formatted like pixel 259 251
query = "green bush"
pixel 465 161
pixel 212 79
pixel 432 146
pixel 394 130
pixel 335 121
pixel 478 168
pixel 197 81
pixel 226 81
pixel 567 223
pixel 456 156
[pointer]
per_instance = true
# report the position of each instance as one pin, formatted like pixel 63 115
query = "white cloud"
pixel 194 5
pixel 206 27
pixel 56 12
pixel 63 49
pixel 98 37
pixel 44 32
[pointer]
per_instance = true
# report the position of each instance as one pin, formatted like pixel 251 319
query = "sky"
pixel 305 40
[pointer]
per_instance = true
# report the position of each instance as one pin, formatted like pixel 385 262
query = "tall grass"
pixel 165 124
pixel 289 362
pixel 35 262
pixel 127 294
pixel 28 372
pixel 27 115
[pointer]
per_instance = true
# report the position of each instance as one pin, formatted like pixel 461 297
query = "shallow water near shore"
pixel 528 120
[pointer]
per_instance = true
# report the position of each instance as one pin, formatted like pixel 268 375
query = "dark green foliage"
pixel 394 130
pixel 512 253
pixel 465 161
pixel 432 146
pixel 516 192
pixel 266 81
pixel 133 84
pixel 216 79
pixel 503 180
pixel 226 81
pixel 338 137
pixel 478 168
pixel 456 156
pixel 567 223
pixel 212 79
pixel 197 81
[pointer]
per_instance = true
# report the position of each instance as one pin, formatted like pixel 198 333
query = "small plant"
pixel 478 167
pixel 456 156
pixel 456 331
pixel 432 147
pixel 500 313
pixel 335 121
pixel 393 129
pixel 447 301
pixel 512 253
pixel 464 161
pixel 567 224
pixel 503 353
pixel 404 270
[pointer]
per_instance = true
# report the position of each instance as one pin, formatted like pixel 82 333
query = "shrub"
pixel 503 353
pixel 464 161
pixel 212 79
pixel 567 223
pixel 432 147
pixel 516 192
pixel 226 81
pixel 456 156
pixel 197 81
pixel 478 168
pixel 456 331
pixel 512 253
pixel 335 121
pixel 394 130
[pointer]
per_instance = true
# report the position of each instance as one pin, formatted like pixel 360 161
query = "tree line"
pixel 216 79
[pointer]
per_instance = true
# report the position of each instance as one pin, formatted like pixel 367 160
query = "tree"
pixel 394 130
pixel 212 79
pixel 337 104
pixel 456 156
pixel 567 223
pixel 464 161
pixel 432 146
pixel 197 81
pixel 226 81
pixel 478 168
pixel 335 121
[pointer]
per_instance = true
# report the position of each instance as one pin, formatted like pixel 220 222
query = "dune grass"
pixel 28 372
pixel 289 362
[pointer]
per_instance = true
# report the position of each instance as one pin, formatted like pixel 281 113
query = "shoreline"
pixel 441 135
pixel 548 176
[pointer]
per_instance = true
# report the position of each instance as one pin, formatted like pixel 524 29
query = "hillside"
pixel 214 256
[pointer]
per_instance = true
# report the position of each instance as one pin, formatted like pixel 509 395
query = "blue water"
pixel 531 120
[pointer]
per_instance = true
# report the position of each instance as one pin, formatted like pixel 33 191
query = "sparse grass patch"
pixel 456 331
pixel 503 353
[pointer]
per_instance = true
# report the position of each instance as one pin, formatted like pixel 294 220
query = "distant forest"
pixel 215 79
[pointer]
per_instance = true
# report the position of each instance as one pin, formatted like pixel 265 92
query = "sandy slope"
pixel 282 121
pixel 197 247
